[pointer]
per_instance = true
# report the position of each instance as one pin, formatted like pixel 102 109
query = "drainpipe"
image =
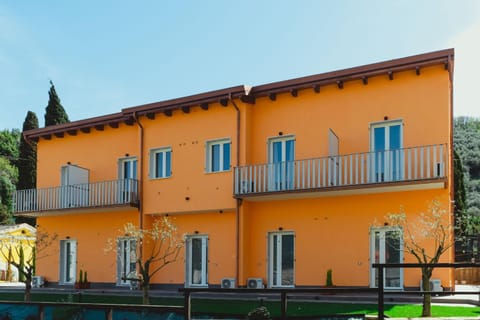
pixel 140 181
pixel 238 201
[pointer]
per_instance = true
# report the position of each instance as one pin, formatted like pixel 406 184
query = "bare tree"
pixel 161 246
pixel 427 236
pixel 14 250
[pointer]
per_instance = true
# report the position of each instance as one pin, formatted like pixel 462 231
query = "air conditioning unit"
pixel 435 285
pixel 228 283
pixel 38 281
pixel 255 283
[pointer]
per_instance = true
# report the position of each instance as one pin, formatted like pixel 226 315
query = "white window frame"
pixel 208 161
pixel 188 261
pixel 153 163
pixel 130 160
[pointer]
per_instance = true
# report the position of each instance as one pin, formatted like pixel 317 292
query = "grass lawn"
pixel 242 307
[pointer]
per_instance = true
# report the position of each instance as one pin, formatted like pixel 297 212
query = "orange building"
pixel 270 185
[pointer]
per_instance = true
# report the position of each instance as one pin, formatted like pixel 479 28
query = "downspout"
pixel 450 171
pixel 238 201
pixel 140 181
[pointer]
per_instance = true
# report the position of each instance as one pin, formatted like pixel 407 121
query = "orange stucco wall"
pixel 331 232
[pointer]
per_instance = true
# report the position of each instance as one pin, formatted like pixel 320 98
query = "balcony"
pixel 78 198
pixel 423 167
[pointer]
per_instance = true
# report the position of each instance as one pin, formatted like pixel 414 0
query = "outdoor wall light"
pixel 196 232
pixel 68 237
pixel 280 133
pixel 68 162
pixel 126 155
pixel 280 228
pixel 385 118
pixel 187 198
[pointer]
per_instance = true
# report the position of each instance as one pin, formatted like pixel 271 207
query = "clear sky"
pixel 106 55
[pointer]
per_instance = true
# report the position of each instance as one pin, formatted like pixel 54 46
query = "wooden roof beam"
pixel 151 115
pixel 224 102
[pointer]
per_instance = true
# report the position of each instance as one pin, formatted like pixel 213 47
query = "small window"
pixel 161 163
pixel 218 155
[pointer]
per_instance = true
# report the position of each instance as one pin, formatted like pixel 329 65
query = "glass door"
pixel 68 261
pixel 387 247
pixel 126 260
pixel 127 174
pixel 281 259
pixel 282 165
pixel 387 153
pixel 196 261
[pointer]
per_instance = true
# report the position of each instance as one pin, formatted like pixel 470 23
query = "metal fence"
pixel 97 194
pixel 397 165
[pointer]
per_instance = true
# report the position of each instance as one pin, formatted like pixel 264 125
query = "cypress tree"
pixel 54 112
pixel 27 162
pixel 459 185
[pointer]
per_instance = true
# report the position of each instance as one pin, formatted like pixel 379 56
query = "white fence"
pixel 408 164
pixel 98 194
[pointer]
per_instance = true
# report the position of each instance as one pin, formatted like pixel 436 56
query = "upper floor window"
pixel 127 168
pixel 161 163
pixel 218 155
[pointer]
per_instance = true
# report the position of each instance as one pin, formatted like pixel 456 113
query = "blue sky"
pixel 106 55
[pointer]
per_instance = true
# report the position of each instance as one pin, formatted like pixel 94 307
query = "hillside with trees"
pixel 466 136
pixel 467 187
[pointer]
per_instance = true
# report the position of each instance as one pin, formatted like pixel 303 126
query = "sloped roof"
pixel 248 94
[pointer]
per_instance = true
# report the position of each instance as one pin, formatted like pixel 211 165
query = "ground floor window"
pixel 281 259
pixel 68 261
pixel 196 261
pixel 126 260
pixel 386 246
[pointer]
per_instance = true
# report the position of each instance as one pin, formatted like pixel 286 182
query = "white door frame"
pixel 281 173
pixel 380 255
pixel 126 260
pixel 275 279
pixel 392 160
pixel 68 261
pixel 198 277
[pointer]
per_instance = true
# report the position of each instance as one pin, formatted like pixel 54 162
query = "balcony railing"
pixel 88 195
pixel 376 167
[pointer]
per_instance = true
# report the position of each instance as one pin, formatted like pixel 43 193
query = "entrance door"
pixel 386 144
pixel 387 247
pixel 127 174
pixel 196 261
pixel 281 259
pixel 126 260
pixel 68 261
pixel 281 158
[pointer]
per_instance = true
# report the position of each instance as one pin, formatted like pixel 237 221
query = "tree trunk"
pixel 146 295
pixel 427 297
pixel 28 288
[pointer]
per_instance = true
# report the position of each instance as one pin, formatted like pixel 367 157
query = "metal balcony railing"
pixel 357 169
pixel 88 195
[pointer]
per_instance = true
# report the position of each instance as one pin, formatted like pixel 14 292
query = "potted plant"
pixel 82 282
